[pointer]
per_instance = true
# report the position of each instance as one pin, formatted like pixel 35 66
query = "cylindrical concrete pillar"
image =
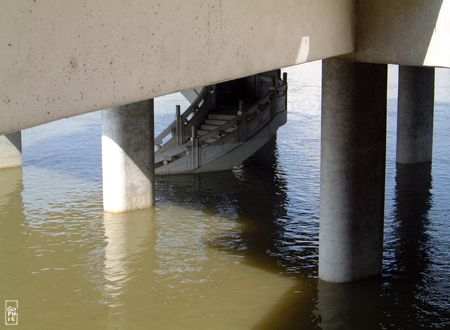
pixel 11 150
pixel 352 164
pixel 415 114
pixel 128 157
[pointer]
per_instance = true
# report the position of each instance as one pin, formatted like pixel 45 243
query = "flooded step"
pixel 212 140
pixel 221 117
pixel 208 127
pixel 215 122
pixel 231 129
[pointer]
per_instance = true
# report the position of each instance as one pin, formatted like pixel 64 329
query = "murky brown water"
pixel 229 250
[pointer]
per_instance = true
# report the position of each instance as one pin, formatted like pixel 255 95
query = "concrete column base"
pixel 11 150
pixel 415 114
pixel 128 157
pixel 349 305
pixel 353 148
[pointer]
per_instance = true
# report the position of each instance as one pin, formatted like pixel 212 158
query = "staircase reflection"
pixel 254 197
pixel 197 219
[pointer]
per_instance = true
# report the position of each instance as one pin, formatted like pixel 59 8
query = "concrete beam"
pixel 11 150
pixel 353 148
pixel 128 157
pixel 60 59
pixel 415 114
pixel 406 32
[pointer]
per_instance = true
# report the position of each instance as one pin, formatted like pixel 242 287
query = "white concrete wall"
pixel 63 58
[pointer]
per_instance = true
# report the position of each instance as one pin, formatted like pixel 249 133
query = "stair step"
pixel 215 122
pixel 231 129
pixel 208 127
pixel 220 117
pixel 202 132
pixel 212 140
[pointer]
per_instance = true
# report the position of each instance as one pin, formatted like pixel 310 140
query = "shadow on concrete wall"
pixel 397 32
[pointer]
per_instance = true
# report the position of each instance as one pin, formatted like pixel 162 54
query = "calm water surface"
pixel 229 250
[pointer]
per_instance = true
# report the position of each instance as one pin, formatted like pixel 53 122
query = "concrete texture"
pixel 11 150
pixel 128 157
pixel 406 32
pixel 415 115
pixel 64 58
pixel 352 175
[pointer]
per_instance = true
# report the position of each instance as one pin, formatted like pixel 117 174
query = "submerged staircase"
pixel 218 124
pixel 224 125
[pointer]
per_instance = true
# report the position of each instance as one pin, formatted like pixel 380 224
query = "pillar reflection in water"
pixel 11 186
pixel 12 218
pixel 412 203
pixel 349 305
pixel 373 302
pixel 408 279
pixel 127 236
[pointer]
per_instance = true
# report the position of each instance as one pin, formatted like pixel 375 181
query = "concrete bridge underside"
pixel 61 59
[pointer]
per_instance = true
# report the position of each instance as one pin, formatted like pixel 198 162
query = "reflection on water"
pixel 228 250
pixel 350 306
pixel 412 204
pixel 258 210
pixel 127 236
pixel 11 207
pixel 408 279
pixel 161 262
